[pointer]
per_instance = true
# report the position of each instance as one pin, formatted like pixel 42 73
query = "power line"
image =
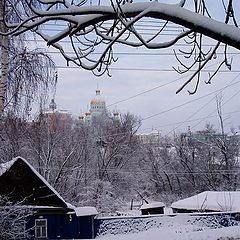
pixel 141 53
pixel 152 89
pixel 183 104
pixel 222 105
pixel 192 120
pixel 147 91
pixel 197 111
pixel 142 33
pixel 177 44
pixel 150 69
pixel 174 26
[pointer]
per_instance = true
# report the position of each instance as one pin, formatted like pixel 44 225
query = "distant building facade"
pixel 150 137
pixel 53 117
pixel 203 136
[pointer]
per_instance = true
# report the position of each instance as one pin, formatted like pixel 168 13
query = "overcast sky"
pixel 159 107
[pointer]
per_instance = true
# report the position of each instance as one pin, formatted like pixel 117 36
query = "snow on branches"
pixel 94 27
pixel 13 219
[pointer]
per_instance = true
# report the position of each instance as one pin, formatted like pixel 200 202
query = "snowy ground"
pixel 180 233
pixel 171 227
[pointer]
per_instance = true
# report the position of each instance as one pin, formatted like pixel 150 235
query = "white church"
pixel 97 108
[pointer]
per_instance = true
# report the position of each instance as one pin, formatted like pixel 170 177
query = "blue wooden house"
pixel 53 217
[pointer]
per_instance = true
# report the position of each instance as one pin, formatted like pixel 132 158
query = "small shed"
pixel 152 208
pixel 209 201
pixel 53 217
pixel 85 220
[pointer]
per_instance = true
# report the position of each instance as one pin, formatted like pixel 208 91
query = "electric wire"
pixel 198 110
pixel 189 121
pixel 237 93
pixel 149 69
pixel 185 103
pixel 147 91
pixel 141 53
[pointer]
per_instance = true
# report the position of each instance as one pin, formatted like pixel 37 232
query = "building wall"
pixel 64 226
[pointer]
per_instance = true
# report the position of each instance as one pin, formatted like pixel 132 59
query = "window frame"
pixel 36 227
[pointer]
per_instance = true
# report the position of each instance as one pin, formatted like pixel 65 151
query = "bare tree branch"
pixel 99 27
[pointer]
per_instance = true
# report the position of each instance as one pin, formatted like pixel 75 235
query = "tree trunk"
pixel 4 60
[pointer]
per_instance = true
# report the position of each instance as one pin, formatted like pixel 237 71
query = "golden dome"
pixel 97 99
pixel 93 101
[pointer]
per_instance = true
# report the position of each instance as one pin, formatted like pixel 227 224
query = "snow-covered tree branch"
pixel 13 219
pixel 96 26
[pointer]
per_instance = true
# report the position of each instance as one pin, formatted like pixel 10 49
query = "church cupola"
pixel 52 105
pixel 97 104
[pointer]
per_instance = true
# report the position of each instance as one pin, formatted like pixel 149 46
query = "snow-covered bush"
pixel 101 195
pixel 13 218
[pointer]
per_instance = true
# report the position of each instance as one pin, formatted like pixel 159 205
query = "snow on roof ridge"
pixel 9 164
pixel 152 205
pixel 85 211
pixel 211 200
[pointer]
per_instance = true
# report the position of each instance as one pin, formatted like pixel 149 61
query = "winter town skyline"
pixel 151 96
pixel 144 83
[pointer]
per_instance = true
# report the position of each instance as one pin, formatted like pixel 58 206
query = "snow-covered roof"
pixel 211 200
pixel 80 211
pixel 85 211
pixel 4 167
pixel 152 205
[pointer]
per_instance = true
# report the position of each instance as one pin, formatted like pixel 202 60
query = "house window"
pixel 41 228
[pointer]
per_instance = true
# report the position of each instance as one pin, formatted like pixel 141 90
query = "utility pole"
pixel 4 44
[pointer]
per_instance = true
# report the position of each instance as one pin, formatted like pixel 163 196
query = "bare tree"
pixel 96 26
pixel 24 74
pixel 190 163
pixel 14 217
pixel 12 141
pixel 51 142
pixel 229 148
pixel 115 143
pixel 31 76
pixel 216 164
